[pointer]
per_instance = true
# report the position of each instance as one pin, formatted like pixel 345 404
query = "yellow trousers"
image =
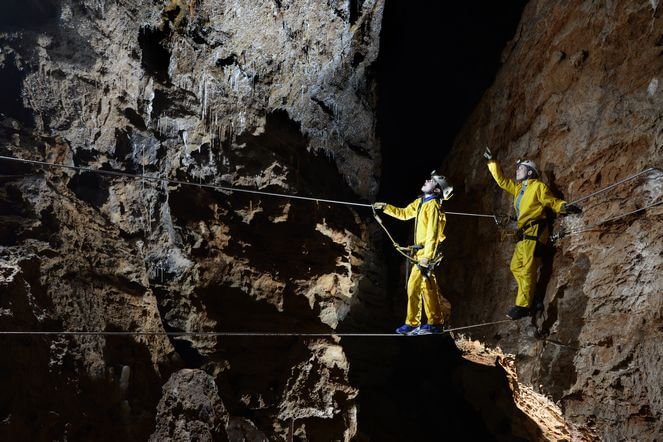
pixel 525 265
pixel 437 308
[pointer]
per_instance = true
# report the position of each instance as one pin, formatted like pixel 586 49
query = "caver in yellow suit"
pixel 531 197
pixel 428 233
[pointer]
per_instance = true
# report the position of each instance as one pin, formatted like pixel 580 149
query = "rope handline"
pixel 605 189
pixel 207 186
pixel 557 343
pixel 397 246
pixel 472 214
pixel 614 218
pixel 477 325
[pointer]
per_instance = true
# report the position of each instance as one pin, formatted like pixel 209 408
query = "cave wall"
pixel 580 93
pixel 186 90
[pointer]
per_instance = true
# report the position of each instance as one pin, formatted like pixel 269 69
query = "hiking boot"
pixel 517 312
pixel 405 329
pixel 428 329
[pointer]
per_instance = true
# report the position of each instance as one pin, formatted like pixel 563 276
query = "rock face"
pixel 279 96
pixel 580 94
pixel 266 95
pixel 190 408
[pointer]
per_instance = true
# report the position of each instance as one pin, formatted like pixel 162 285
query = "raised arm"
pixel 505 183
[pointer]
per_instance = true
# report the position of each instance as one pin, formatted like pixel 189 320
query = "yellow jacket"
pixel 429 223
pixel 535 199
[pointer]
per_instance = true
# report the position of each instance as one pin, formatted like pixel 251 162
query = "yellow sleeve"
pixel 436 220
pixel 408 212
pixel 505 183
pixel 548 199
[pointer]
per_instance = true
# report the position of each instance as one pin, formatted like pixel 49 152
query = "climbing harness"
pixel 520 233
pixel 408 250
pixel 561 234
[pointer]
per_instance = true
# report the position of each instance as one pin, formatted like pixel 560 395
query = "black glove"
pixel 571 209
pixel 556 237
pixel 487 154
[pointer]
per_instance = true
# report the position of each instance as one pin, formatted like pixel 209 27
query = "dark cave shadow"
pixel 431 393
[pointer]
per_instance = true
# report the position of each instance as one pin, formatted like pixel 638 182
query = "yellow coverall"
pixel 533 201
pixel 428 232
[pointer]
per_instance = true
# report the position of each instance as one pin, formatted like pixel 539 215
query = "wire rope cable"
pixel 208 186
pixel 221 334
pixel 605 221
pixel 605 189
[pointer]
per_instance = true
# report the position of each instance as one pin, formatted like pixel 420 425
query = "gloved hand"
pixel 487 154
pixel 568 209
pixel 379 206
pixel 556 237
pixel 424 262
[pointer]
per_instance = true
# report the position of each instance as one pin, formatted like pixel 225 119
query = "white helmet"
pixel 443 184
pixel 531 165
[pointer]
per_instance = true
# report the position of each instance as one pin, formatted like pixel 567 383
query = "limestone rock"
pixel 577 93
pixel 190 409
pixel 271 96
pixel 279 96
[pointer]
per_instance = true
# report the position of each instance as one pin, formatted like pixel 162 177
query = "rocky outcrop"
pixel 547 421
pixel 272 96
pixel 191 408
pixel 578 93
pixel 65 267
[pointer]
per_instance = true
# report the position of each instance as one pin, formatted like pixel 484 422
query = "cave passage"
pixel 436 61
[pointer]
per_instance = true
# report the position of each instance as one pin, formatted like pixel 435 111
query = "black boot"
pixel 517 312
